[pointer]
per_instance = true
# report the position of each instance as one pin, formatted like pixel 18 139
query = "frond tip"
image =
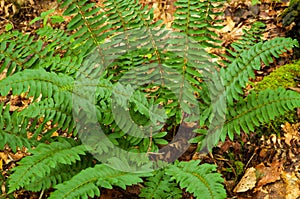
pixel 259 109
pixel 242 68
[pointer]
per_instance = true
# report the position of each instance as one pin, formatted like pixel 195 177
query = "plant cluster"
pixel 105 80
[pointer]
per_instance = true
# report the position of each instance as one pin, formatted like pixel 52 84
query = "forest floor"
pixel 272 151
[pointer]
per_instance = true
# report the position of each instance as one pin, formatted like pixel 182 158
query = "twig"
pixel 41 195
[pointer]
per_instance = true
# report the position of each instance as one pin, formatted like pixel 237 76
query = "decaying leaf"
pixel 290 132
pixel 247 182
pixel 268 174
pixel 292 185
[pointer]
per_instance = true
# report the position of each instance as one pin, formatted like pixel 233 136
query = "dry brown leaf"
pixel 247 182
pixel 269 174
pixel 230 24
pixel 292 185
pixel 16 156
pixel 274 190
pixel 290 132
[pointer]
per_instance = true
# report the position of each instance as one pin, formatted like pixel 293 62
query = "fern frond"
pixel 51 111
pixel 258 109
pixel 249 38
pixel 59 174
pixel 87 182
pixel 200 180
pixel 187 53
pixel 197 20
pixel 19 51
pixel 135 37
pixel 13 130
pixel 160 186
pixel 37 82
pixel 242 68
pixel 44 158
pixel 59 40
pixel 88 22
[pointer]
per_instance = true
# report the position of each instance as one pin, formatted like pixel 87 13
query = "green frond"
pixel 51 111
pixel 200 180
pixel 137 40
pixel 242 68
pixel 19 51
pixel 45 157
pixel 87 23
pixel 249 38
pixel 60 41
pixel 197 20
pixel 258 109
pixel 187 53
pixel 87 182
pixel 160 186
pixel 37 82
pixel 13 130
pixel 59 174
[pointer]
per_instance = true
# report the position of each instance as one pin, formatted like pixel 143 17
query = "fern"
pixel 18 52
pixel 242 68
pixel 44 158
pixel 198 180
pixel 105 80
pixel 86 183
pixel 235 78
pixel 87 20
pixel 194 12
pixel 47 84
pixel 59 174
pixel 13 130
pixel 160 186
pixel 248 39
pixel 258 109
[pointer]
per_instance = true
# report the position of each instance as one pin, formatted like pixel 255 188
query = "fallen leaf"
pixel 229 27
pixel 292 185
pixel 3 159
pixel 274 190
pixel 268 174
pixel 290 132
pixel 247 182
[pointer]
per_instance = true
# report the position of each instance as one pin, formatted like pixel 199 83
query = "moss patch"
pixel 281 77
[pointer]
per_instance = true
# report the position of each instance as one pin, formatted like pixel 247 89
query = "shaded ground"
pixel 253 166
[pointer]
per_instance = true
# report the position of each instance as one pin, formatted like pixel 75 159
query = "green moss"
pixel 281 77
